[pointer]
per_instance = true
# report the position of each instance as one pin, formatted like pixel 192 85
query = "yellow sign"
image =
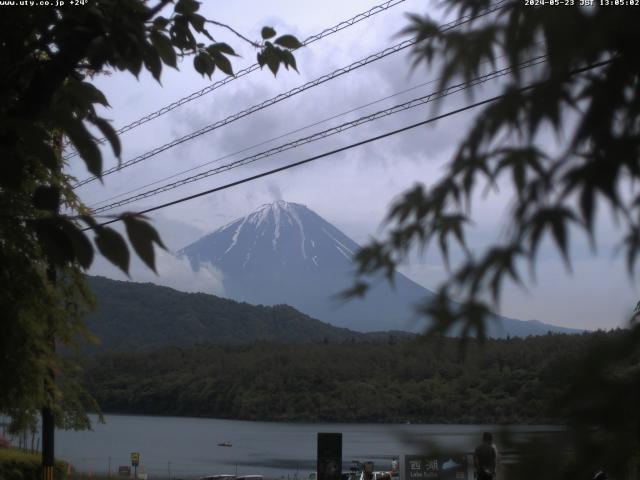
pixel 135 458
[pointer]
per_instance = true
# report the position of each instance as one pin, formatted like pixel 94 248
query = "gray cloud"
pixel 172 272
pixel 353 189
pixel 274 191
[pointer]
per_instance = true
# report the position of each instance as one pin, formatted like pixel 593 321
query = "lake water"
pixel 188 447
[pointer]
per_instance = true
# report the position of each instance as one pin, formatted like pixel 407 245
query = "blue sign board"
pixel 425 467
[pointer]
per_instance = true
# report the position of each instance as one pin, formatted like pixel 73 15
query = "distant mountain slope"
pixel 134 316
pixel 284 253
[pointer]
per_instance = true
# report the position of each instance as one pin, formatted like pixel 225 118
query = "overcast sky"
pixel 352 190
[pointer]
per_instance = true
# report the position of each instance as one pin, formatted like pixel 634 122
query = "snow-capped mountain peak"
pixel 296 236
pixel 285 253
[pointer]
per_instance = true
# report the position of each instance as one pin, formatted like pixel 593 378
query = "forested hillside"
pixel 135 316
pixel 502 381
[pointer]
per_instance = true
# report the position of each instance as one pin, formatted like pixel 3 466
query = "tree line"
pixel 431 380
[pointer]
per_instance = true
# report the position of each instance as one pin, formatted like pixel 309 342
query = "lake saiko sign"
pixel 419 467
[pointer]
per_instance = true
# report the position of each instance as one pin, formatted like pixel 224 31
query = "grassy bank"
pixel 19 465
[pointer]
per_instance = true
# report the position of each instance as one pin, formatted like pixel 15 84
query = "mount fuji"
pixel 284 253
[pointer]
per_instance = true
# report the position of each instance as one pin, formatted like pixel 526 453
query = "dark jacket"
pixel 485 459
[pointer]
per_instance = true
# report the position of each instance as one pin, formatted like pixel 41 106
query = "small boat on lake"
pixel 225 444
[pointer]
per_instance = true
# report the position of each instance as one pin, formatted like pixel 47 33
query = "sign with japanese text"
pixel 424 467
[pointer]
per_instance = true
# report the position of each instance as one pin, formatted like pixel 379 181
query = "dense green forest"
pixel 426 380
pixel 135 316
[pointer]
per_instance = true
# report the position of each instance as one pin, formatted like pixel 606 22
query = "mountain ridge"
pixel 283 252
pixel 142 316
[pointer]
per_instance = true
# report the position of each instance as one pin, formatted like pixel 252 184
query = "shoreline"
pixel 551 424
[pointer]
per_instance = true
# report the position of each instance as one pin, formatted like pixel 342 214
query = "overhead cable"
pixel 306 160
pixel 272 139
pixel 345 148
pixel 241 73
pixel 278 98
pixel 325 133
pixel 265 142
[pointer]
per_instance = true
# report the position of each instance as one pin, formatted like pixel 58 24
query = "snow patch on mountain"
pixel 286 253
pixel 248 256
pixel 342 248
pixel 276 229
pixel 300 228
pixel 234 239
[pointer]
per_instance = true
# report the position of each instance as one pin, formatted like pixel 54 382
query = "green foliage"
pixel 273 55
pixel 587 99
pixel 136 316
pixel 511 381
pixel 588 164
pixel 32 310
pixel 267 32
pixel 19 465
pixel 49 56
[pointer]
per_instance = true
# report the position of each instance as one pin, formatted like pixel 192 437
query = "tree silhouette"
pixel 47 57
pixel 587 94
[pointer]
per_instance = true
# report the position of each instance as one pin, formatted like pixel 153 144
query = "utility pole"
pixel 48 435
pixel 48 420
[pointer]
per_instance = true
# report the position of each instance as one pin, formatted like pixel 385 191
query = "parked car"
pixel 363 476
pixel 249 477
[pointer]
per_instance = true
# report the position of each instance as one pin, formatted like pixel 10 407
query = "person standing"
pixel 485 458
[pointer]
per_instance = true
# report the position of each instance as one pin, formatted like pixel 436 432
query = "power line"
pixel 307 160
pixel 264 142
pixel 255 108
pixel 278 98
pixel 241 73
pixel 326 133
pixel 351 146
pixel 272 139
